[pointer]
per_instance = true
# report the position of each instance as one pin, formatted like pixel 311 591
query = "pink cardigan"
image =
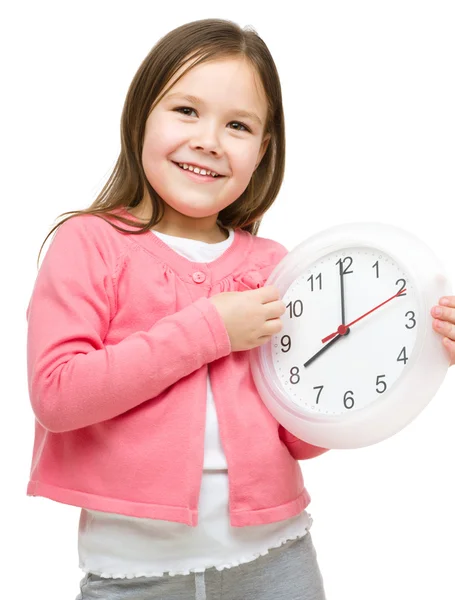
pixel 120 336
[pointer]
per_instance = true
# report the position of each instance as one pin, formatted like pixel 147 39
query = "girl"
pixel 138 336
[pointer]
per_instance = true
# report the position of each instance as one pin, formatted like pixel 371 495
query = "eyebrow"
pixel 195 100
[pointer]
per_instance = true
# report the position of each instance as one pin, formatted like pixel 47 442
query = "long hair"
pixel 195 42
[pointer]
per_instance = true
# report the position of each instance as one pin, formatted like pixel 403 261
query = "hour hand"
pixel 324 348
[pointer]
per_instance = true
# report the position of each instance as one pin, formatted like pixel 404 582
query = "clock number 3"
pixel 412 317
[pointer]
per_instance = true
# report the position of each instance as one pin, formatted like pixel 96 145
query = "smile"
pixel 198 174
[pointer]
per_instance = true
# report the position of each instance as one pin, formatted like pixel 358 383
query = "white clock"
pixel 357 358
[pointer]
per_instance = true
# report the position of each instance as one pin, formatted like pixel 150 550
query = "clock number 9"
pixel 286 343
pixel 348 401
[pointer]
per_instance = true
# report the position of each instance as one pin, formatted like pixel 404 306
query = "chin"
pixel 198 214
pixel 200 211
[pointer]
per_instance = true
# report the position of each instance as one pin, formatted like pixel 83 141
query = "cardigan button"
pixel 198 276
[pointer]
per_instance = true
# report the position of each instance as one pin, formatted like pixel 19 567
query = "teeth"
pixel 197 170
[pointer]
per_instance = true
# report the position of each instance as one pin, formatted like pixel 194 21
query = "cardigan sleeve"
pixel 299 449
pixel 74 379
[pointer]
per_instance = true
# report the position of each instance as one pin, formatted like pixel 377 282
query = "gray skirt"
pixel 290 572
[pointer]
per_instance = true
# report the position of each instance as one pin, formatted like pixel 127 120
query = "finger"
pixel 444 328
pixel 272 327
pixel 268 293
pixel 274 309
pixel 446 304
pixel 447 301
pixel 444 313
pixel 450 347
pixel 264 339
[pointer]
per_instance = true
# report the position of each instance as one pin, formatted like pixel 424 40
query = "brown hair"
pixel 199 41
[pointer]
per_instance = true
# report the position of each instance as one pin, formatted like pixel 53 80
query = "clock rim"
pixel 412 391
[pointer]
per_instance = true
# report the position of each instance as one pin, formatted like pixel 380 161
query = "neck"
pixel 205 229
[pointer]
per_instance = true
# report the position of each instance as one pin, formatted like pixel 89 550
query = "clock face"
pixel 332 364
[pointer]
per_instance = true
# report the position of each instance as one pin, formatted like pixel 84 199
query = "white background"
pixel 369 97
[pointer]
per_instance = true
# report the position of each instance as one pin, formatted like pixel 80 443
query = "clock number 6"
pixel 348 401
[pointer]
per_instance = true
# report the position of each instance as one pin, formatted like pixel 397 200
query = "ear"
pixel 264 145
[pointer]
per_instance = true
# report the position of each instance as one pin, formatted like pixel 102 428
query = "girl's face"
pixel 213 118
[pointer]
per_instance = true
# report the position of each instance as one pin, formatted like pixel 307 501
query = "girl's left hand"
pixel 444 324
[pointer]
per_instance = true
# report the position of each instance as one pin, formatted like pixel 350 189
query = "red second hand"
pixel 342 329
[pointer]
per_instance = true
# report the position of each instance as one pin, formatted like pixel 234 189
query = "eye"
pixel 240 125
pixel 181 110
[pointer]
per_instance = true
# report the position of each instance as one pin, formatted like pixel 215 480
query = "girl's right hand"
pixel 250 317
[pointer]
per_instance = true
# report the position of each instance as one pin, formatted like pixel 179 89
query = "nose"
pixel 206 138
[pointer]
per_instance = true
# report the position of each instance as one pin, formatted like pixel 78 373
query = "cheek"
pixel 161 139
pixel 245 161
pixel 155 153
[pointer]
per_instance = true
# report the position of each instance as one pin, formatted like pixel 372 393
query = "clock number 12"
pixel 346 268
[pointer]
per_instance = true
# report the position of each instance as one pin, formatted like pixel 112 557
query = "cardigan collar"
pixel 221 267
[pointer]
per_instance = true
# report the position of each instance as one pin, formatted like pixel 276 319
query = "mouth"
pixel 198 172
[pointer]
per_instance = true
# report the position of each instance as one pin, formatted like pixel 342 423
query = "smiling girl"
pixel 139 329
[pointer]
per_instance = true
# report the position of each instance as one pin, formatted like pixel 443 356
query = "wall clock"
pixel 357 358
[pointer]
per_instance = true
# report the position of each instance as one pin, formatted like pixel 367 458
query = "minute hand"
pixel 342 328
